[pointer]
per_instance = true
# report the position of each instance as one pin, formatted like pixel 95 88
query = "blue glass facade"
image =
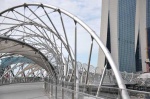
pixel 148 25
pixel 126 35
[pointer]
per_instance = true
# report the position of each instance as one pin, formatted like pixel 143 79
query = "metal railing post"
pixel 56 89
pixel 101 81
pixel 62 90
pixel 51 88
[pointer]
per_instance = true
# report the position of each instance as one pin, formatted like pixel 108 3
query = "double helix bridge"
pixel 44 43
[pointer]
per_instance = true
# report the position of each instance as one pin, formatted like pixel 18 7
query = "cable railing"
pixel 65 90
pixel 5 81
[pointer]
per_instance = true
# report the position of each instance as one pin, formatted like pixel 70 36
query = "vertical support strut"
pixel 76 66
pixel 101 81
pixel 51 87
pixel 67 67
pixel 64 75
pixel 89 61
pixel 62 22
pixel 56 88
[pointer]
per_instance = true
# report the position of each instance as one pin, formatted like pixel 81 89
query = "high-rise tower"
pixel 125 31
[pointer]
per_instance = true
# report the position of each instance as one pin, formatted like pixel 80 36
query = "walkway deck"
pixel 23 91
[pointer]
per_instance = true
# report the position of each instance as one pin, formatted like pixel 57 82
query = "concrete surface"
pixel 23 91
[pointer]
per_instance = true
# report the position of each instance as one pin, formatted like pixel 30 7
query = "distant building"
pixel 125 30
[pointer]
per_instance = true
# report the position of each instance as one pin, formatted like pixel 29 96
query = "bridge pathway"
pixel 23 91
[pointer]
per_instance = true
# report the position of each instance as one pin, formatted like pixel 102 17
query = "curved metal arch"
pixel 13 60
pixel 49 69
pixel 61 38
pixel 32 67
pixel 28 67
pixel 93 35
pixel 71 55
pixel 56 48
pixel 35 69
pixel 10 70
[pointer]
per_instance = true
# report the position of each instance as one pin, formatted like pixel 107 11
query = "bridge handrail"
pixel 64 87
pixel 4 81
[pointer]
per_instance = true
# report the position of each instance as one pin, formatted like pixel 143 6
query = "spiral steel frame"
pixel 44 38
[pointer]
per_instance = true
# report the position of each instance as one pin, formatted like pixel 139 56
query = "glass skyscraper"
pixel 125 30
pixel 126 34
pixel 148 28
